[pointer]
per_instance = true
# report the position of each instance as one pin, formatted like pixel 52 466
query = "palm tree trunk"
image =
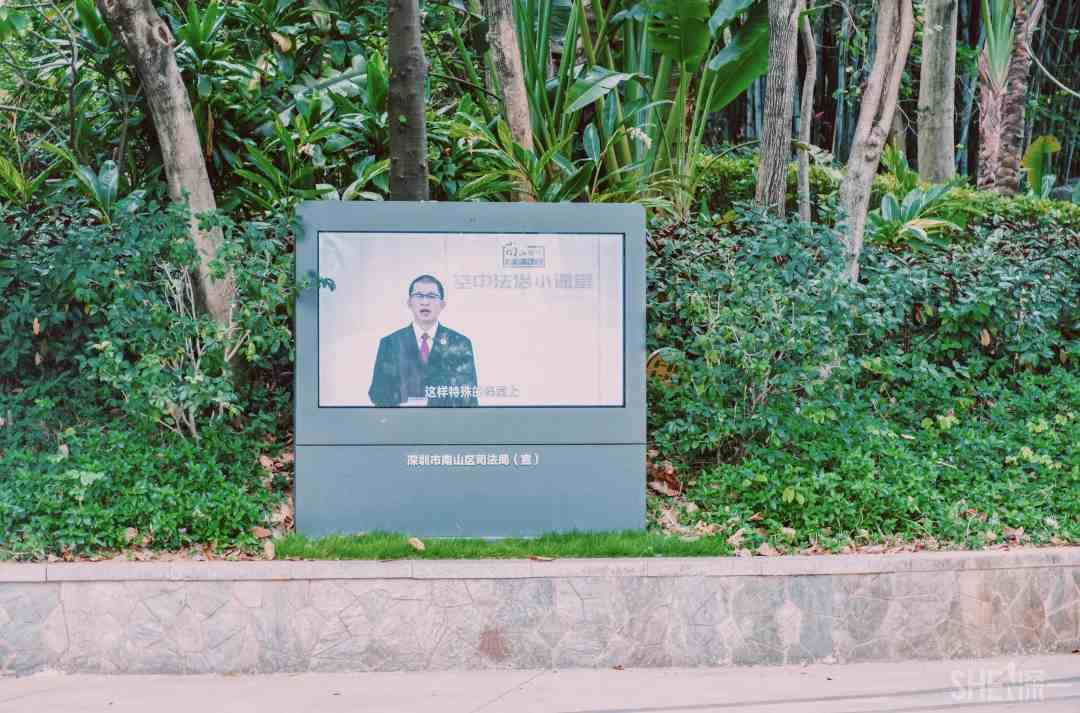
pixel 991 118
pixel 1015 99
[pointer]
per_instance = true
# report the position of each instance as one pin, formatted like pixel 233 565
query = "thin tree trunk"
pixel 775 153
pixel 969 84
pixel 806 115
pixel 937 92
pixel 502 34
pixel 408 130
pixel 1015 98
pixel 895 28
pixel 149 44
pixel 840 127
pixel 898 131
pixel 506 57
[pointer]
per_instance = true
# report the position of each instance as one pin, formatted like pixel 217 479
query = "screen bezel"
pixel 538 425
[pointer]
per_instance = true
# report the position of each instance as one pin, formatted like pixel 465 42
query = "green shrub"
pixel 945 382
pixel 744 318
pixel 116 304
pixel 122 404
pixel 953 463
pixel 731 179
pixel 79 490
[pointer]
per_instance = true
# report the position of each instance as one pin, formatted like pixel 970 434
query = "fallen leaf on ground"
pixel 1016 535
pixel 541 558
pixel 619 667
pixel 743 553
pixel 260 532
pixel 130 534
pixel 736 539
pixel 266 463
pixel 757 517
pixel 269 551
pixel 37 327
pixel 417 544
pixel 788 532
pixel 706 528
pixel 663 488
pixel 767 550
pixel 669 521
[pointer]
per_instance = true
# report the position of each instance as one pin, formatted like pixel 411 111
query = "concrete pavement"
pixel 1042 684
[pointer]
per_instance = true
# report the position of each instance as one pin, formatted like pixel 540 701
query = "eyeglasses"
pixel 426 296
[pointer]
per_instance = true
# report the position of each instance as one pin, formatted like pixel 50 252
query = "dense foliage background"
pixel 934 403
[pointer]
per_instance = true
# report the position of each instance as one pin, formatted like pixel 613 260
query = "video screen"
pixel 452 320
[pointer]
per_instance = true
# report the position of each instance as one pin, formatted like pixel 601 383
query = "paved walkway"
pixel 1041 684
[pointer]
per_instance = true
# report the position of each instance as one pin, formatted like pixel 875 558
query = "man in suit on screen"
pixel 425 363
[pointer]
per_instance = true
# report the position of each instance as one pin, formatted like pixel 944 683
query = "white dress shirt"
pixel 417 331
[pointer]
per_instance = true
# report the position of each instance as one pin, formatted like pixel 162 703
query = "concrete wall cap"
pixel 795 565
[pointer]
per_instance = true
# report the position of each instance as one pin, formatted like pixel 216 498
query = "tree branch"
pixel 1045 71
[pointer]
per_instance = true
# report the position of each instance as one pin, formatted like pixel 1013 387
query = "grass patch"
pixel 390 546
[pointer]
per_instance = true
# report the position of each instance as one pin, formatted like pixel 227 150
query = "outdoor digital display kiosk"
pixel 470 369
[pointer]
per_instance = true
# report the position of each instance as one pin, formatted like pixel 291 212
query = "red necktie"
pixel 425 351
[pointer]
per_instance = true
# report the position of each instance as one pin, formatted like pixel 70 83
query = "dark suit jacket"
pixel 399 374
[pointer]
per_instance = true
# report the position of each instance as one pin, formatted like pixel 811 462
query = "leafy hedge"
pixel 937 399
pixel 120 407
pixel 944 384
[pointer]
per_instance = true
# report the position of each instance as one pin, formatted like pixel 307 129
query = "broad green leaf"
pixel 679 30
pixel 594 85
pixel 726 12
pixel 1037 160
pixel 378 85
pixel 743 60
pixel 591 139
pixel 11 178
pixel 108 181
pixel 202 84
pixel 91 20
pixel 337 142
pixel 890 209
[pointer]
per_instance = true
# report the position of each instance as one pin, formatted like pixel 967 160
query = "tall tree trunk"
pixel 895 28
pixel 148 42
pixel 502 35
pixel 937 91
pixel 806 116
pixel 991 107
pixel 506 57
pixel 408 131
pixel 1015 100
pixel 840 126
pixel 969 84
pixel 779 100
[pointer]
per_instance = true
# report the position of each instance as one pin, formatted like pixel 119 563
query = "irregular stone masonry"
pixel 274 617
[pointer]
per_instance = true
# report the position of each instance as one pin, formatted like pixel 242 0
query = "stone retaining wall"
pixel 272 617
